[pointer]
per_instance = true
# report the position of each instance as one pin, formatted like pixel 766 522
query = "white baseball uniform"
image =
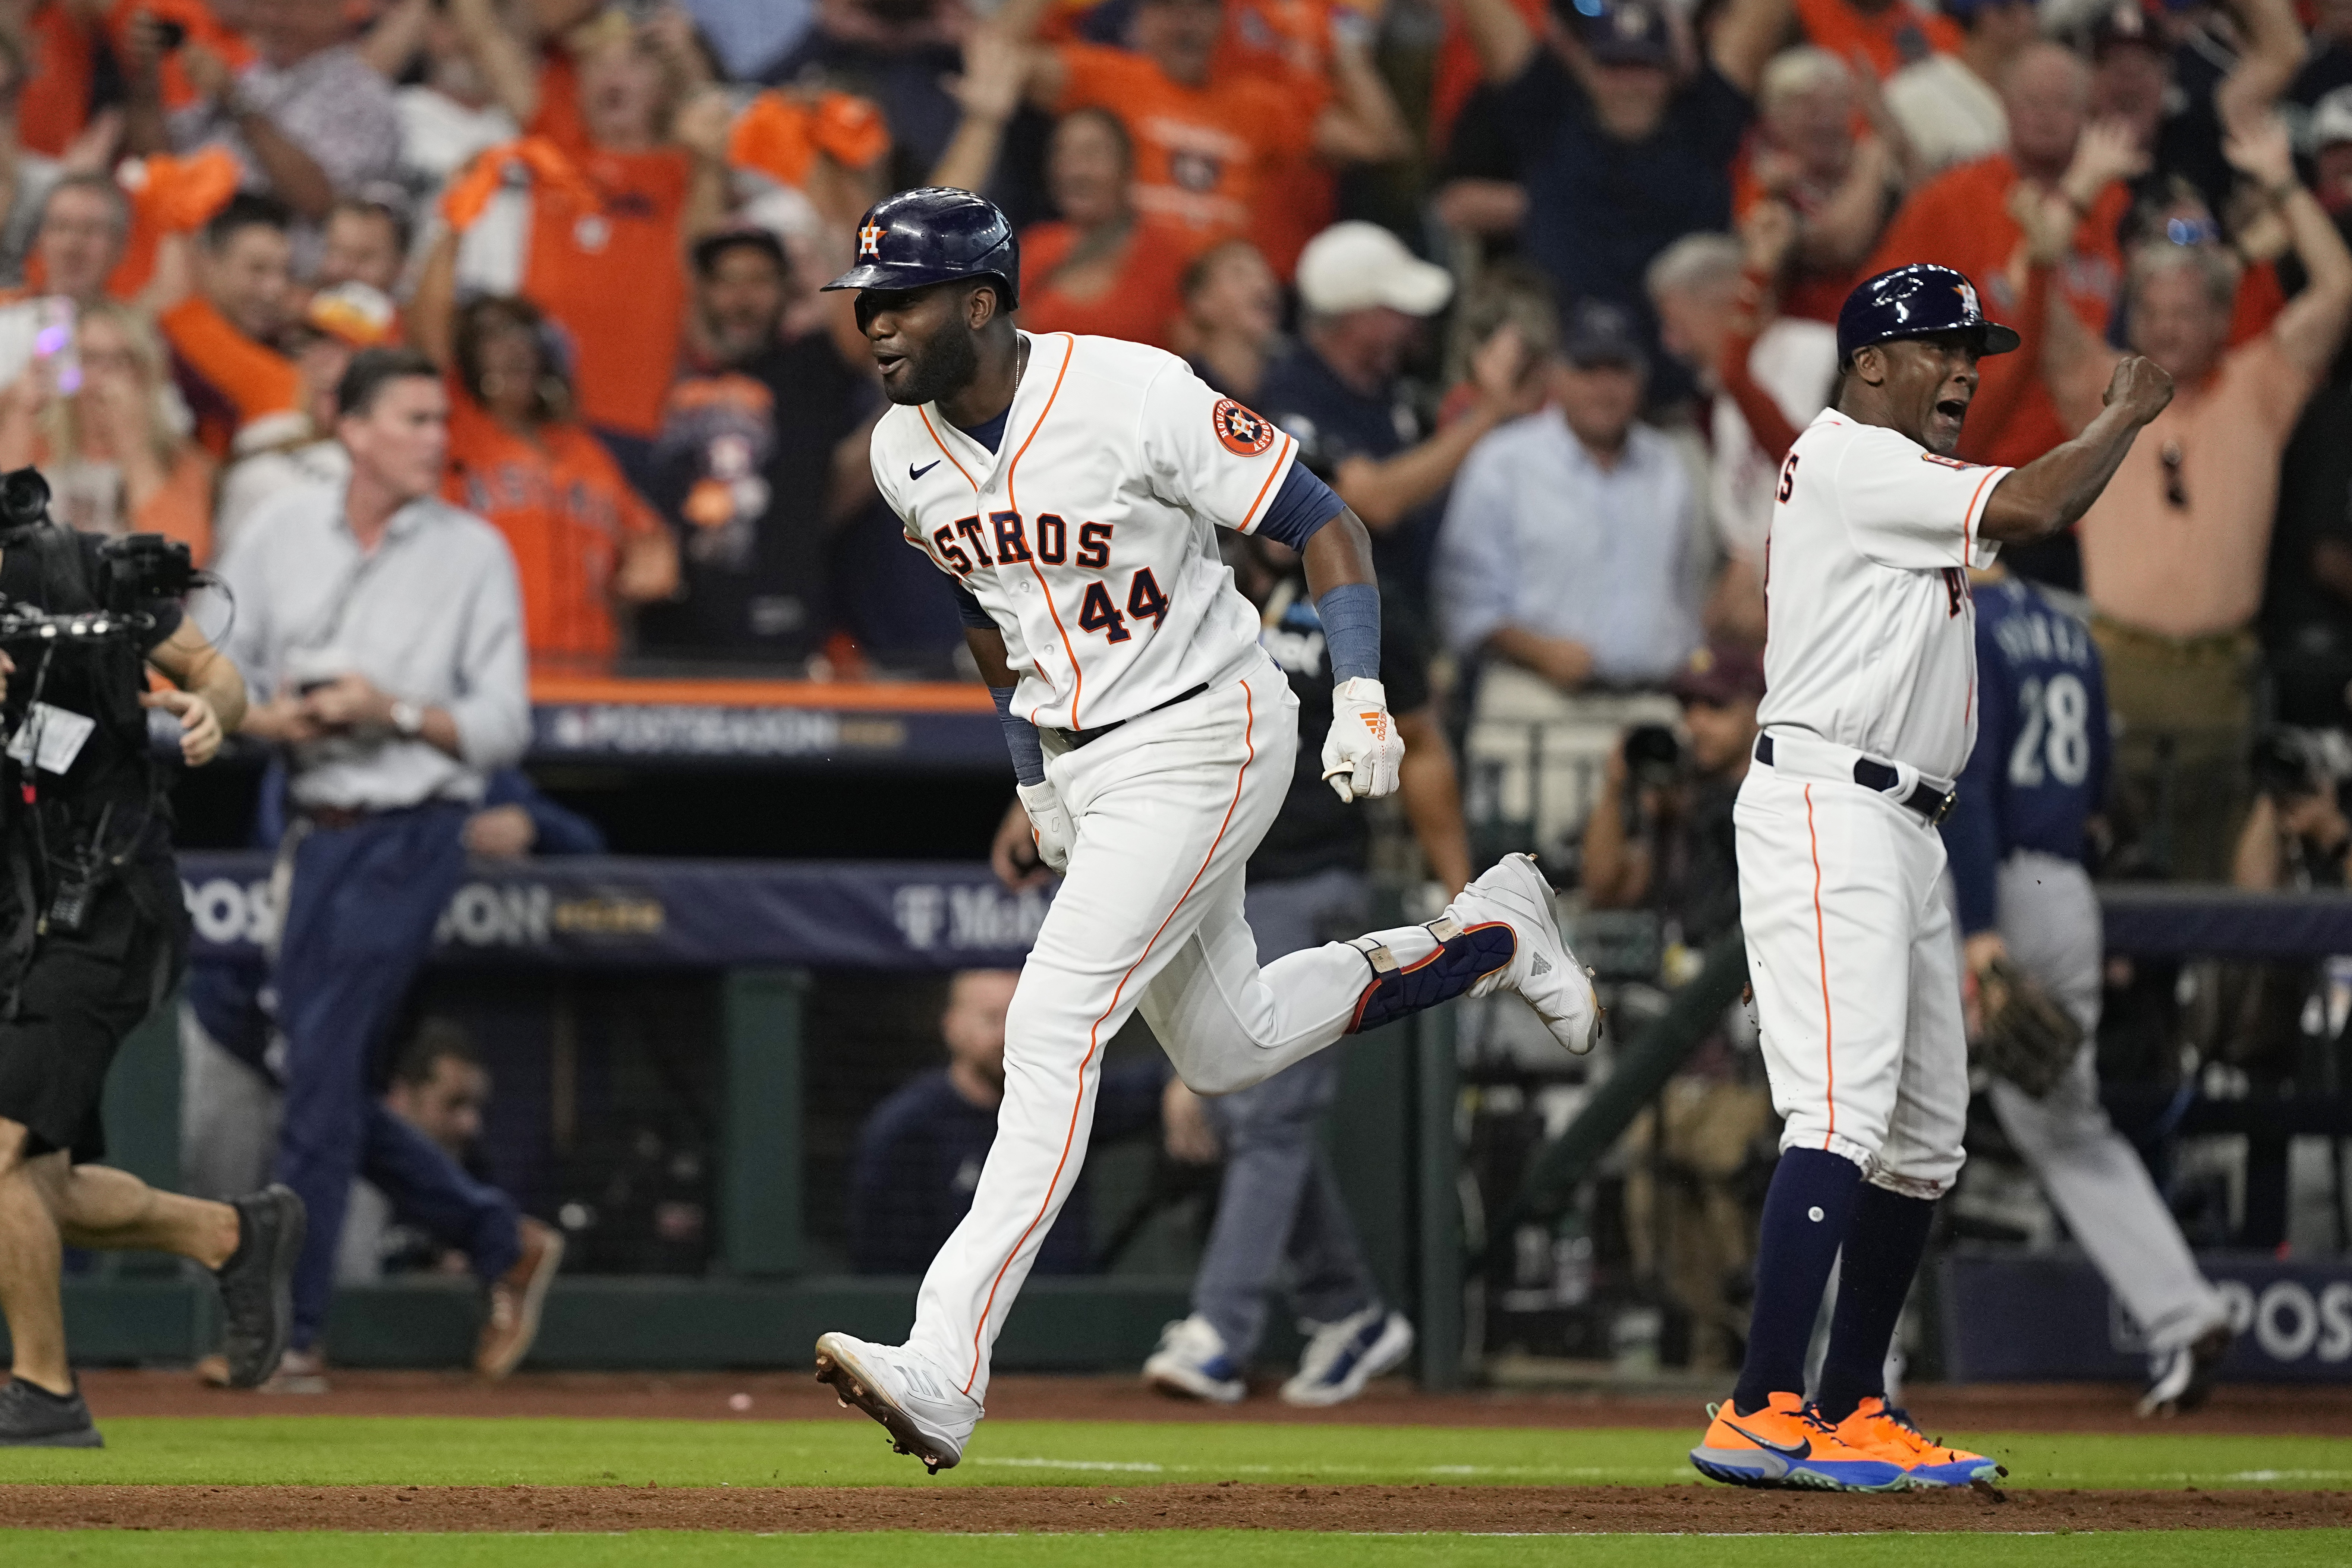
pixel 1869 665
pixel 1087 535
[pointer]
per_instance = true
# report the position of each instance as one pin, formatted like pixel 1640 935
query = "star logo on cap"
pixel 1968 293
pixel 869 241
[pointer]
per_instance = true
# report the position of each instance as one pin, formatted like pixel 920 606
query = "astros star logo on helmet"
pixel 869 240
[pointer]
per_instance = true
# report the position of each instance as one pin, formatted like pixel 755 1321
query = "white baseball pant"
pixel 2049 923
pixel 1167 810
pixel 1856 976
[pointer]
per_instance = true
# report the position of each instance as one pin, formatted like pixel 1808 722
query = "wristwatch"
pixel 407 717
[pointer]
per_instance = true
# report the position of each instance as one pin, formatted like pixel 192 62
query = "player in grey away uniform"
pixel 2015 836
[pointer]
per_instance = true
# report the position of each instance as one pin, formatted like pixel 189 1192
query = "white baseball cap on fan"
pixel 1358 266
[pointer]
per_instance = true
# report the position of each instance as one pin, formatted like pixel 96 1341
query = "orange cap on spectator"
pixel 358 314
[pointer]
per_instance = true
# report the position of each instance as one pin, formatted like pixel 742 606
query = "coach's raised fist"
pixel 2141 385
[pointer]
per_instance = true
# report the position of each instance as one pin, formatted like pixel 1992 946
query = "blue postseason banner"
pixel 627 913
pixel 2050 1318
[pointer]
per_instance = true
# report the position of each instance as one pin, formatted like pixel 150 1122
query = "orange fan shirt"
pixel 614 275
pixel 235 379
pixel 565 510
pixel 61 56
pixel 1960 219
pixel 1140 304
pixel 1901 34
pixel 1205 155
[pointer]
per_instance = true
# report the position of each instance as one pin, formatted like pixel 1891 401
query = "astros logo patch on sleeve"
pixel 1245 434
pixel 1944 461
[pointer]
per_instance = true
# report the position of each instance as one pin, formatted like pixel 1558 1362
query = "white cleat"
pixel 1341 1357
pixel 925 1415
pixel 1191 1364
pixel 1542 970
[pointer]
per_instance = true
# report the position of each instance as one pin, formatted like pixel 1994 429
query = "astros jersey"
pixel 2041 770
pixel 1088 534
pixel 1870 638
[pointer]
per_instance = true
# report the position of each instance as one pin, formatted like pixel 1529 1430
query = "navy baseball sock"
pixel 1807 1213
pixel 1882 1254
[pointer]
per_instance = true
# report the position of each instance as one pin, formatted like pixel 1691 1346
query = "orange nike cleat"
pixel 1787 1445
pixel 1884 1432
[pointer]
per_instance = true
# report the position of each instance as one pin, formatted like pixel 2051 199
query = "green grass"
pixel 318 1451
pixel 1202 1549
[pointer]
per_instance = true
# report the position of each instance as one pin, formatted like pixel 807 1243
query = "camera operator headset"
pixel 88 763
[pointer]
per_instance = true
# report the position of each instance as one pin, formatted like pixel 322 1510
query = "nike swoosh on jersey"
pixel 915 473
pixel 1801 1449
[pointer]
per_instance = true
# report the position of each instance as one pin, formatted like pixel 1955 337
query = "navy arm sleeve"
pixel 1303 504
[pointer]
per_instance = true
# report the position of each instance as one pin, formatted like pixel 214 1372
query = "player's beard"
pixel 945 367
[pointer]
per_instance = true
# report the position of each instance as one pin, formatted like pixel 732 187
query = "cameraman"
pixel 1660 836
pixel 2297 835
pixel 95 938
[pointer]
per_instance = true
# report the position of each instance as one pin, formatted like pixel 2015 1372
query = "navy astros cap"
pixel 1628 33
pixel 1915 301
pixel 1600 333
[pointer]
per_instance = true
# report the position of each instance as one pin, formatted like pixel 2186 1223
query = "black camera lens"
pixel 23 497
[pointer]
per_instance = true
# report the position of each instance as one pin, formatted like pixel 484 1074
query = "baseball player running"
pixel 2015 839
pixel 1070 486
pixel 1871 664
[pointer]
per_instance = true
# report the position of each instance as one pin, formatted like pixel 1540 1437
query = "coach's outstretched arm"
pixel 2057 488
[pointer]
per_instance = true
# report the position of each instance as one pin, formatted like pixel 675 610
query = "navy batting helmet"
pixel 1912 302
pixel 934 234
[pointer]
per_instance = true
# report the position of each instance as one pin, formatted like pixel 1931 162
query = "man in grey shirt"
pixel 1565 546
pixel 381 632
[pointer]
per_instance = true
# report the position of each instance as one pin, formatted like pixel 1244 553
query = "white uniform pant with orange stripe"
pixel 1167 809
pixel 1857 984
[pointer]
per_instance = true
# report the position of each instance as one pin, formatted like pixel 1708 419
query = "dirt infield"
pixel 1228 1506
pixel 2273 1411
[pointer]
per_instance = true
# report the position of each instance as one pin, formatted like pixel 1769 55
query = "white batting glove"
pixel 1049 821
pixel 1363 751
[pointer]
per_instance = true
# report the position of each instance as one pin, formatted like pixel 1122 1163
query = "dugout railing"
pixel 756 930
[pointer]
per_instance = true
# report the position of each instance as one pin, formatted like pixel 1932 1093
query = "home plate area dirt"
pixel 1228 1506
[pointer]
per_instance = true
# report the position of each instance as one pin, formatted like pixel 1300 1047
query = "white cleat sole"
pixel 1547 974
pixel 839 1366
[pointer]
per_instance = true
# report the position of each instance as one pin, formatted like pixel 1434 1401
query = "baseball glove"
pixel 2026 1037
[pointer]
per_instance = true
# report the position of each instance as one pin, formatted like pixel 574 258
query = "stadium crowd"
pixel 1543 292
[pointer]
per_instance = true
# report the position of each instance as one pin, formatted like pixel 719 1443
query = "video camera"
pixel 136 569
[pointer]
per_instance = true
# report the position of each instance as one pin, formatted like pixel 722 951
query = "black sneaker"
pixel 33 1417
pixel 2181 1380
pixel 257 1284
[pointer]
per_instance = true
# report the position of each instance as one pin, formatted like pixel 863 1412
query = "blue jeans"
pixel 358 925
pixel 1279 1200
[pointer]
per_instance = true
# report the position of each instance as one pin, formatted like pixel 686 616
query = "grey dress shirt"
pixel 432 615
pixel 1540 536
